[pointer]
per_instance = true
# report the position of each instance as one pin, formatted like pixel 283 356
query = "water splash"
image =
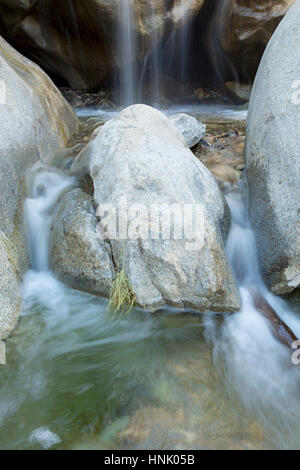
pixel 47 186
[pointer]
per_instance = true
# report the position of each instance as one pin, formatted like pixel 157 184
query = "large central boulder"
pixel 142 158
pixel 273 156
pixel 35 124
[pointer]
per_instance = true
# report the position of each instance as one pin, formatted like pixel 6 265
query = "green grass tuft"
pixel 122 297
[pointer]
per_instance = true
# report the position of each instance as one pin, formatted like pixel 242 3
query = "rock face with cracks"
pixel 138 161
pixel 249 25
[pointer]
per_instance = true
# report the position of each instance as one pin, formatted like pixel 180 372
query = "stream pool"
pixel 77 379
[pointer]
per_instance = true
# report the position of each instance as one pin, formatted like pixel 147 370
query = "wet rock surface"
pixel 248 29
pixel 192 129
pixel 78 257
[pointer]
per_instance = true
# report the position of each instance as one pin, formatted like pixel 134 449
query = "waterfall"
pixel 241 246
pixel 127 46
pixel 47 187
pixel 139 79
pixel 222 65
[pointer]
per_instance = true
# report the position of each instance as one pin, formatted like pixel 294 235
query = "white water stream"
pixel 258 367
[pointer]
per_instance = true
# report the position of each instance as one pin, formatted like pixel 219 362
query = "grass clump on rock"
pixel 122 297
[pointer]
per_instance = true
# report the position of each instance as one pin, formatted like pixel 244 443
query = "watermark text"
pixel 183 222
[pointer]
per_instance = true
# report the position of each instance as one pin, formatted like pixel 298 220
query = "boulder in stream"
pixel 137 161
pixel 272 157
pixel 191 129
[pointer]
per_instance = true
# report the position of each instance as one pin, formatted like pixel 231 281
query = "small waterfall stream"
pixel 47 187
pixel 140 80
pixel 255 356
pixel 128 53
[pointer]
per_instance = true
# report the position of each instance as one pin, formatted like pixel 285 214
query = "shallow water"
pixel 203 111
pixel 163 381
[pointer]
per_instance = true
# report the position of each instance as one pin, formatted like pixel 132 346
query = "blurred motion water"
pixel 139 78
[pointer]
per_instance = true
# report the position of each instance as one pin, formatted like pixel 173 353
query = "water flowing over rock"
pixel 77 41
pixel 272 154
pixel 35 123
pixel 142 157
pixel 131 44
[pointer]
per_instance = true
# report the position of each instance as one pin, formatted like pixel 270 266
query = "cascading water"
pixel 246 347
pixel 47 187
pixel 140 79
pixel 221 64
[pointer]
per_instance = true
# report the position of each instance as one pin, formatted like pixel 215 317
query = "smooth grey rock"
pixel 273 156
pixel 191 129
pixel 35 123
pixel 78 256
pixel 141 156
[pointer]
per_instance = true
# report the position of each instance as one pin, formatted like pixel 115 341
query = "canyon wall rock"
pixel 10 295
pixel 142 157
pixel 272 154
pixel 35 123
pixel 249 25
